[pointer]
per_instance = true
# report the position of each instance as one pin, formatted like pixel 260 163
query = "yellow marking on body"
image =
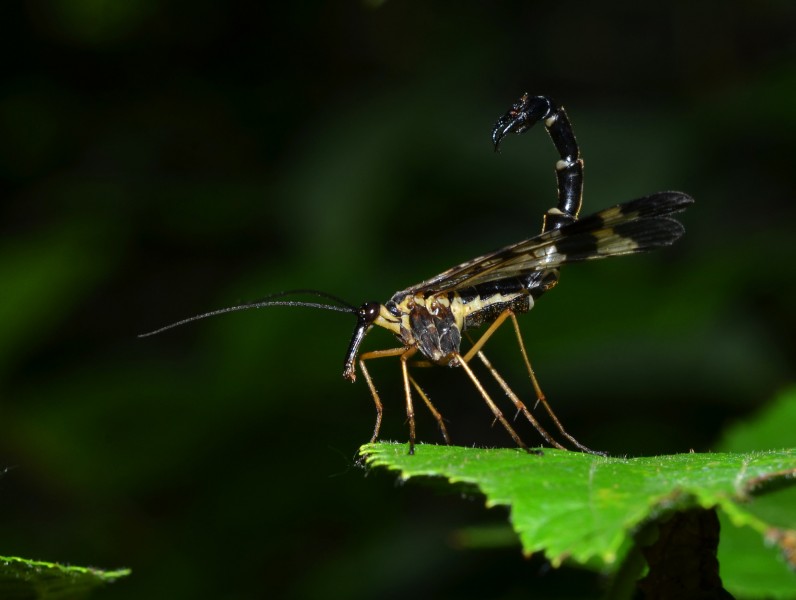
pixel 480 303
pixel 459 310
pixel 563 164
pixel 389 321
pixel 436 302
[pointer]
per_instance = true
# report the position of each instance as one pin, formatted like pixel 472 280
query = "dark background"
pixel 160 159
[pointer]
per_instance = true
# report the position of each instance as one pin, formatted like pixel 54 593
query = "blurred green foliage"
pixel 162 159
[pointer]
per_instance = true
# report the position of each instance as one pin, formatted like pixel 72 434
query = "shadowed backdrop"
pixel 163 159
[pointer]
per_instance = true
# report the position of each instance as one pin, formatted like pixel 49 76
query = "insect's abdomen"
pixel 485 302
pixel 493 307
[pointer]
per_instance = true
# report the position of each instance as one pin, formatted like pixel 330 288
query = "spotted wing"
pixel 635 226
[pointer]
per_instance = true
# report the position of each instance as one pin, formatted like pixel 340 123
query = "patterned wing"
pixel 635 226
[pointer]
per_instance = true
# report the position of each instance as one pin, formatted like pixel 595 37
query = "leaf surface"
pixel 21 578
pixel 585 508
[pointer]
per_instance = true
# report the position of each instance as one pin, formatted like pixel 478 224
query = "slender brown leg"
pixel 369 381
pixel 431 408
pixel 519 404
pixel 476 348
pixel 541 397
pixel 410 410
pixel 493 407
pixel 405 354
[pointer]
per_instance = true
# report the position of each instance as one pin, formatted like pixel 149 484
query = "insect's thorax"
pixel 433 322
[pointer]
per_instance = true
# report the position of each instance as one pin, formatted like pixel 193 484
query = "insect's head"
pixel 366 316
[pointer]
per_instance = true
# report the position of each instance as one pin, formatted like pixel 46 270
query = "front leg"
pixel 369 380
pixel 410 410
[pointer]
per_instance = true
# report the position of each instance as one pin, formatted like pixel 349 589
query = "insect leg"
pixel 431 408
pixel 369 381
pixel 528 111
pixel 493 407
pixel 519 404
pixel 541 397
pixel 475 348
pixel 410 410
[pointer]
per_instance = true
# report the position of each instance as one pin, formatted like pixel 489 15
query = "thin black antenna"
pixel 311 292
pixel 267 301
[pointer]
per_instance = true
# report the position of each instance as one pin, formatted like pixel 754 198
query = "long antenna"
pixel 267 301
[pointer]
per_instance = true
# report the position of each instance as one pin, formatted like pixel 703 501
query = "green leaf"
pixel 753 567
pixel 35 580
pixel 585 508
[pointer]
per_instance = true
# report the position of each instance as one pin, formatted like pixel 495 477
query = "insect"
pixel 430 318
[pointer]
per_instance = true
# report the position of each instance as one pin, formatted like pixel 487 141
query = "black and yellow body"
pixel 431 317
pixel 433 322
